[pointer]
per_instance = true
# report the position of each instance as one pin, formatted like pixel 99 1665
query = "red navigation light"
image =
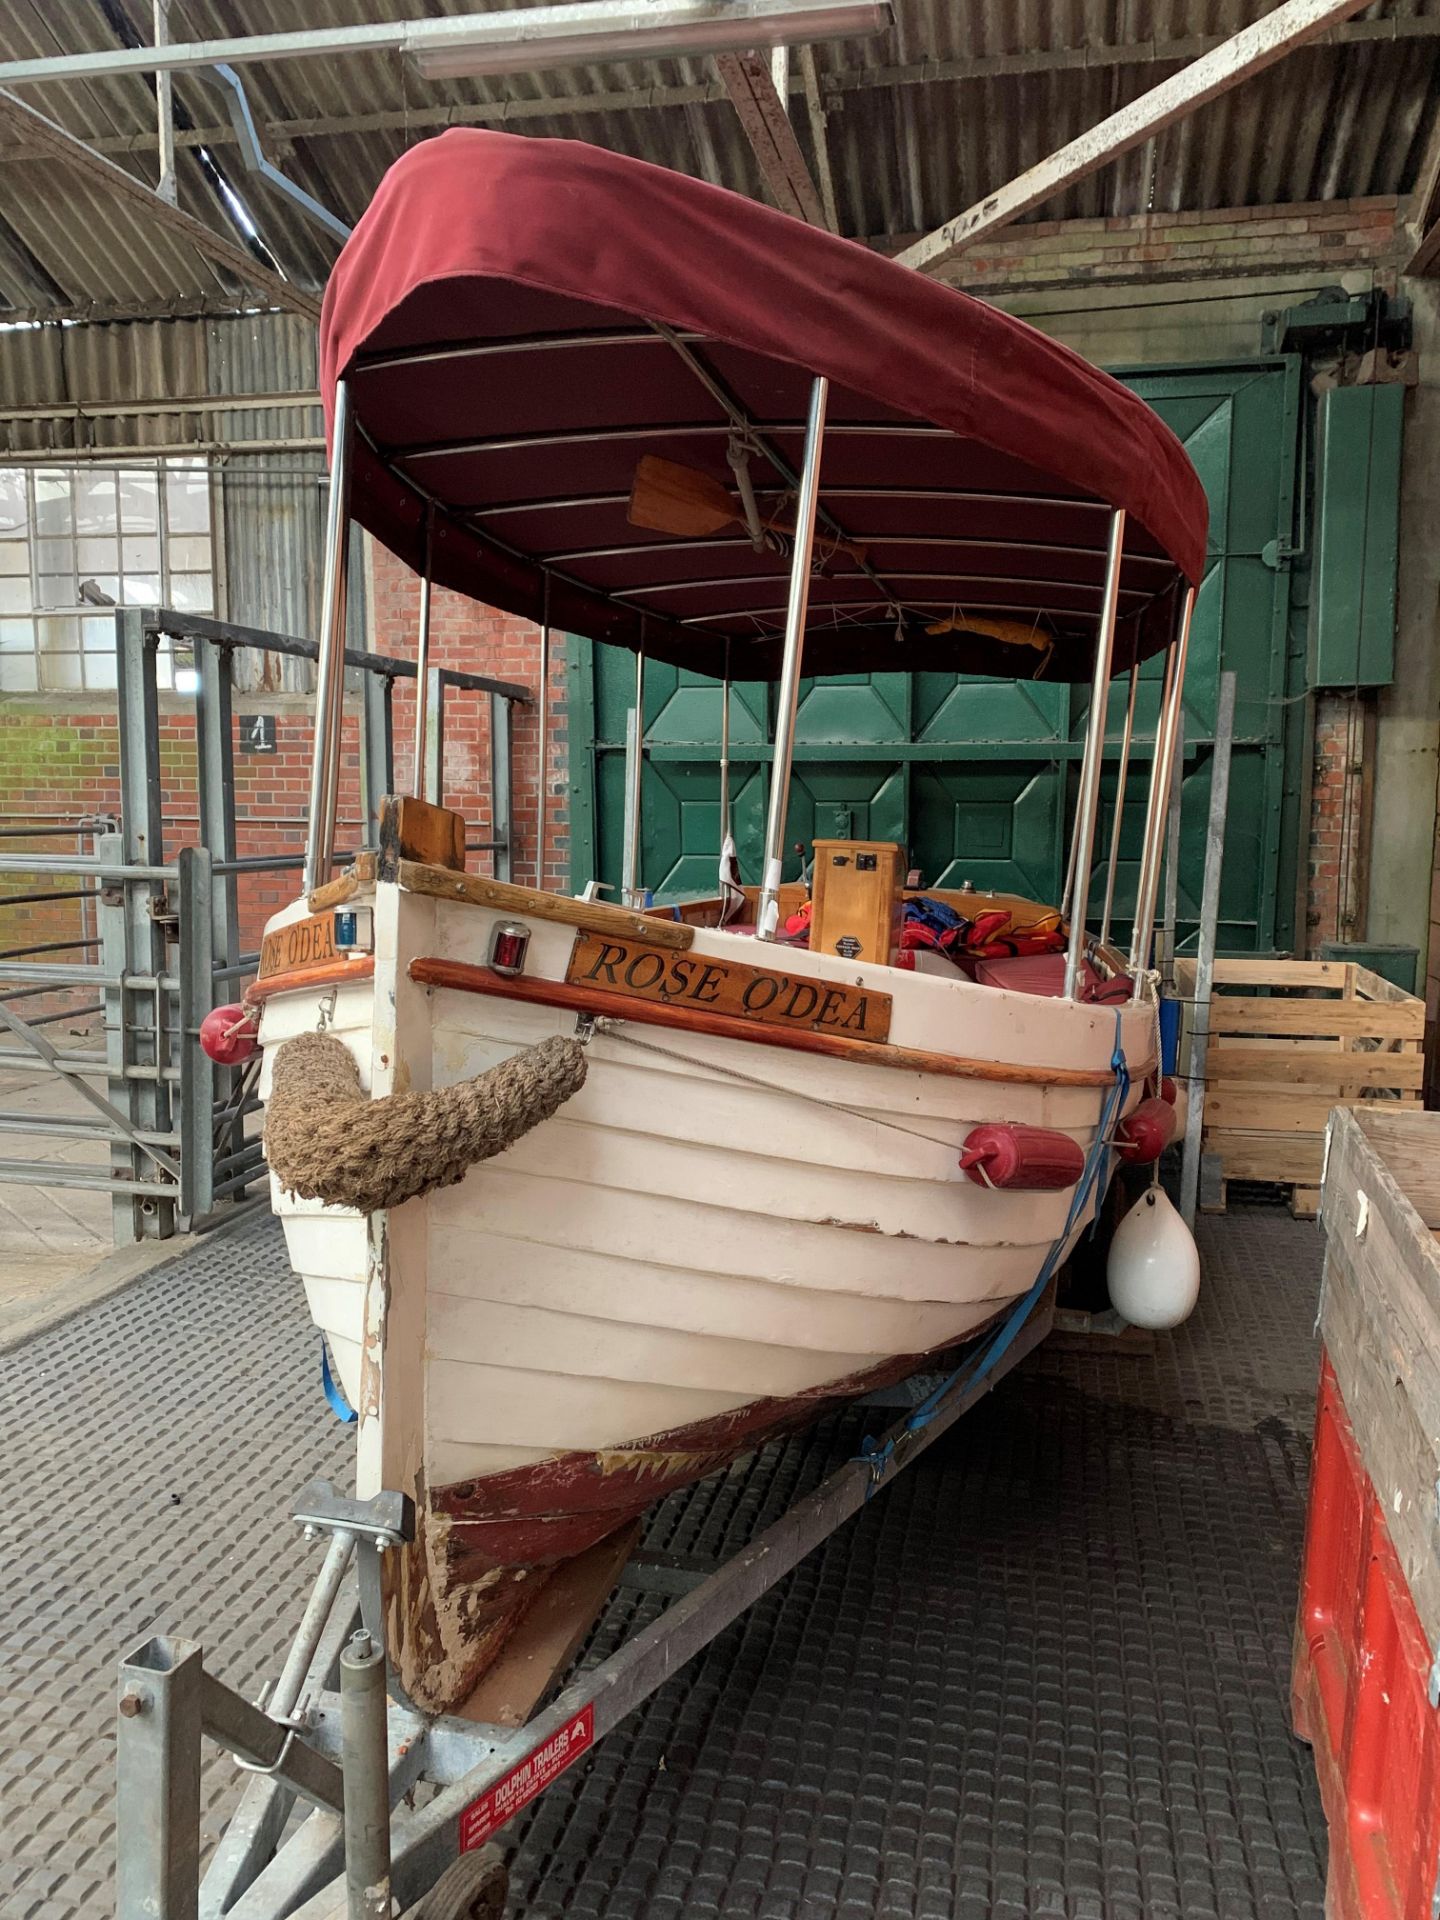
pixel 509 944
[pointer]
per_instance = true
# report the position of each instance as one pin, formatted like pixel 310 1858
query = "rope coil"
pixel 326 1139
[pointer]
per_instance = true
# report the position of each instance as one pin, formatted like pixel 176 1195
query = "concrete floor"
pixel 49 1234
pixel 57 1251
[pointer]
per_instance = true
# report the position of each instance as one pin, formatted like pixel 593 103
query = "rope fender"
pixel 326 1139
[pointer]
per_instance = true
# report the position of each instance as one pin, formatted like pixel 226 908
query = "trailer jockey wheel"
pixel 471 1888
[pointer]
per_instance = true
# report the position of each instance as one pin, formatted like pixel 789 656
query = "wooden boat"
pixel 754 1204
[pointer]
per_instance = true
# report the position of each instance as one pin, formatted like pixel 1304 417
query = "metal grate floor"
pixel 1046 1674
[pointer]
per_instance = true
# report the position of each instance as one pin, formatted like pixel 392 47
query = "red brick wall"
pixel 480 640
pixel 60 762
pixel 1335 894
pixel 1329 234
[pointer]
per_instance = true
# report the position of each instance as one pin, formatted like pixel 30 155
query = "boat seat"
pixel 1044 973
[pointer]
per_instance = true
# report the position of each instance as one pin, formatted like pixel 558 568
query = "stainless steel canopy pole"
pixel 725 750
pixel 422 671
pixel 632 887
pixel 1160 772
pixel 330 673
pixel 1089 797
pixel 542 788
pixel 795 614
pixel 1069 870
pixel 1121 775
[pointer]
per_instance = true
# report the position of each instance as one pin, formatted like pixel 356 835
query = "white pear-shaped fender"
pixel 1153 1269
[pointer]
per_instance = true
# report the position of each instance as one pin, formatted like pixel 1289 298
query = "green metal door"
pixel 976 777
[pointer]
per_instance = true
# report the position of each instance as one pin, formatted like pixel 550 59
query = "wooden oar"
pixel 669 498
pixel 1014 633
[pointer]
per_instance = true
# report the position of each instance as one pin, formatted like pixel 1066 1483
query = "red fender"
pixel 228 1035
pixel 1014 1157
pixel 1143 1135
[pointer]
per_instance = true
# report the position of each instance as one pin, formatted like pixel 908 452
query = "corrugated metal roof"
pixel 923 119
pixel 272 508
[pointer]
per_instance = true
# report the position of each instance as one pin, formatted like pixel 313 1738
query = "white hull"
pixel 677 1243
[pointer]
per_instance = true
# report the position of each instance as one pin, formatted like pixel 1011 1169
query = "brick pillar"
pixel 1339 819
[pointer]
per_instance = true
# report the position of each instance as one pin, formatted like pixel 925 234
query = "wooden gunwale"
pixel 339 973
pixel 357 878
pixel 590 916
pixel 463 978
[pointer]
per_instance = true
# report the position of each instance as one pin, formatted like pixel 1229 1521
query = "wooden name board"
pixel 303 944
pixel 766 995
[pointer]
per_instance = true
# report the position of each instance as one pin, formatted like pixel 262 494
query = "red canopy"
pixel 522 320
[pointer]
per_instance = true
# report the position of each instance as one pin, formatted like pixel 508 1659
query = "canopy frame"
pixel 586 287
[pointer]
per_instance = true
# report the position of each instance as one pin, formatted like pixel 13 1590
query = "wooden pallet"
pixel 1289 1041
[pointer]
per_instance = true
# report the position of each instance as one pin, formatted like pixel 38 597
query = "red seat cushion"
pixel 1044 973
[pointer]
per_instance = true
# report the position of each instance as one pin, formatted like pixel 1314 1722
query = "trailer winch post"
pixel 364 1724
pixel 157 1783
pixel 249 1841
pixel 167 1701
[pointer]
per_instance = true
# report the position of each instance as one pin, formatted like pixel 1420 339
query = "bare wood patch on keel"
pixel 550 1633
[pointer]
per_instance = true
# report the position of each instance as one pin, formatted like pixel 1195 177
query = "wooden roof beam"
pixel 1248 52
pixel 749 81
pixel 1424 221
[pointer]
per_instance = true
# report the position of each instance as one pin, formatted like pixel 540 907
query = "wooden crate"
pixel 1290 1040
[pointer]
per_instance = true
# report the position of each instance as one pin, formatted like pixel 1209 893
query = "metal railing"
pixel 164 932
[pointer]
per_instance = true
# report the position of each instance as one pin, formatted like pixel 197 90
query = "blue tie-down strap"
pixel 339 1405
pixel 877 1452
pixel 1169 1034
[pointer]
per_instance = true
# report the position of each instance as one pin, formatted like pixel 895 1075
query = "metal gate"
pixel 157 945
pixel 976 777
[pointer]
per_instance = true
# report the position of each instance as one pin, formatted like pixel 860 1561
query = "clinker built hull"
pixel 714 1237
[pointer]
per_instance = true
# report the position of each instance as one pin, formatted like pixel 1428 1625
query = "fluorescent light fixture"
pixel 572 36
pixel 522 40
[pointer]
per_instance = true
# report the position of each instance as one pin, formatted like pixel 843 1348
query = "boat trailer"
pixel 357 1807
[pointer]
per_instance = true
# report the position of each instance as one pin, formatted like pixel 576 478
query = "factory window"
pixel 76 542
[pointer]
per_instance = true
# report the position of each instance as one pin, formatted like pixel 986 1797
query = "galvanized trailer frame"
pixel 358 1760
